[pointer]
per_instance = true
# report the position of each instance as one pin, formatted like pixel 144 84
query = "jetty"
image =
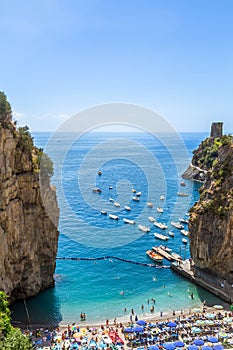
pixel 166 255
pixel 187 269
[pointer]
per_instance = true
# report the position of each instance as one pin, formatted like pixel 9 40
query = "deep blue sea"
pixel 104 288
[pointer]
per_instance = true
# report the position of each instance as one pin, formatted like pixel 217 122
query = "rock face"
pixel 211 219
pixel 28 236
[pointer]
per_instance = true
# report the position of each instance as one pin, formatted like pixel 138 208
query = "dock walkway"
pixel 213 284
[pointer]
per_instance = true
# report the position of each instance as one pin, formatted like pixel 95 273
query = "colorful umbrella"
pixel 198 342
pixel 179 344
pixel 141 322
pixel 212 340
pixel 169 346
pixel 171 324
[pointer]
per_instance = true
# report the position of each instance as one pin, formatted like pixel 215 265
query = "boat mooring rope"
pixel 116 258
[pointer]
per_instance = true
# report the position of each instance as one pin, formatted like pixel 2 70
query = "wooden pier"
pixel 166 255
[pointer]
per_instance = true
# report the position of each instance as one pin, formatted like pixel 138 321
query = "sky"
pixel 59 57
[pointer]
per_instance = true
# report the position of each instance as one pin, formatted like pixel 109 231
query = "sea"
pixel 105 288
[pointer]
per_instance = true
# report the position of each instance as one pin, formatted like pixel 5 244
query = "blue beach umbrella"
pixel 196 330
pixel 169 346
pixel 138 329
pixel 198 342
pixel 128 330
pixel 210 315
pixel 171 324
pixel 193 347
pixel 179 344
pixel 218 347
pixel 207 347
pixel 141 322
pixel 212 340
pixel 155 347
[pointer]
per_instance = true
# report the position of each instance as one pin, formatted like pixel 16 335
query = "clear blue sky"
pixel 173 56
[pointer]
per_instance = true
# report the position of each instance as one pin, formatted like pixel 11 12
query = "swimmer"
pixel 169 294
pixel 122 292
pixel 154 279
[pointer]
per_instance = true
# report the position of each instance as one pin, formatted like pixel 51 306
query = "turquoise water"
pixel 104 288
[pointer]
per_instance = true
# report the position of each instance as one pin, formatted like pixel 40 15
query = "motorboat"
pixel 99 173
pixel 159 210
pixel 182 194
pixel 184 221
pixel 110 187
pixel 177 225
pixel 144 228
pixel 184 232
pixel 171 234
pixel 136 199
pixel 111 200
pixel 133 190
pixel 127 208
pixel 114 217
pixel 138 194
pixel 184 240
pixel 117 204
pixel 149 204
pixel 160 236
pixel 128 221
pixel 154 256
pixel 176 256
pixel 151 219
pixel 96 190
pixel 165 248
pixel 182 183
pixel 103 212
pixel 160 225
pixel 162 197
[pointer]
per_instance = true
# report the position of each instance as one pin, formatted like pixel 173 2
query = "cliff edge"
pixel 211 218
pixel 28 236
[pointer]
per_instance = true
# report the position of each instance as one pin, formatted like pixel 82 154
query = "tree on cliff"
pixel 10 338
pixel 5 107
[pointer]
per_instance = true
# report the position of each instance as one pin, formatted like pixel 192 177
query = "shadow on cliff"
pixel 43 309
pixel 209 298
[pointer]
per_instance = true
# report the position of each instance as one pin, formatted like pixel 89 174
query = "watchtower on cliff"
pixel 216 129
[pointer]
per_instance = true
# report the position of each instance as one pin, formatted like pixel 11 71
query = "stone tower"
pixel 216 129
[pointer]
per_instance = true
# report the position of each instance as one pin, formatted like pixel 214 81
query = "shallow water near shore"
pixel 103 289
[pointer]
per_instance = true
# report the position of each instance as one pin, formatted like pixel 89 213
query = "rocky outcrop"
pixel 211 218
pixel 28 236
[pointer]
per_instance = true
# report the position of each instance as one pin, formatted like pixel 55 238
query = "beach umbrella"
pixel 141 322
pixel 209 315
pixel 218 307
pixel 128 330
pixel 169 346
pixel 198 342
pixel 218 347
pixel 222 335
pixel 179 344
pixel 200 322
pixel 196 330
pixel 212 340
pixel 227 319
pixel 193 347
pixel 205 347
pixel 138 329
pixel 152 347
pixel 197 309
pixel 171 324
pixel 209 322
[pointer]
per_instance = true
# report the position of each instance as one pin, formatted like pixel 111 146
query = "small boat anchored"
pixel 160 225
pixel 127 208
pixel 184 221
pixel 96 190
pixel 114 217
pixel 177 225
pixel 117 204
pixel 160 236
pixel 162 197
pixel 144 228
pixel 151 218
pixel 154 256
pixel 184 232
pixel 103 212
pixel 136 199
pixel 182 194
pixel 159 210
pixel 184 240
pixel 171 234
pixel 128 221
pixel 149 204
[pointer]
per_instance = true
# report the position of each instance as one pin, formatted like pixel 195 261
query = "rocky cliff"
pixel 211 218
pixel 28 236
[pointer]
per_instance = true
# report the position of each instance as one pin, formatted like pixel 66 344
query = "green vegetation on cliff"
pixel 10 338
pixel 5 107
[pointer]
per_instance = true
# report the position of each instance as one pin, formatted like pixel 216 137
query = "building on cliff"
pixel 29 238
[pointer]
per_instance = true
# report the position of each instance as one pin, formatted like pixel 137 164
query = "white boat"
pixel 171 234
pixel 138 194
pixel 144 228
pixel 128 221
pixel 182 194
pixel 136 199
pixel 182 183
pixel 184 240
pixel 160 225
pixel 149 204
pixel 110 187
pixel 184 232
pixel 176 256
pixel 162 237
pixel 177 225
pixel 162 197
pixel 117 204
pixel 111 200
pixel 159 210
pixel 103 212
pixel 165 248
pixel 127 208
pixel 184 221
pixel 133 190
pixel 114 217
pixel 151 218
pixel 96 189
